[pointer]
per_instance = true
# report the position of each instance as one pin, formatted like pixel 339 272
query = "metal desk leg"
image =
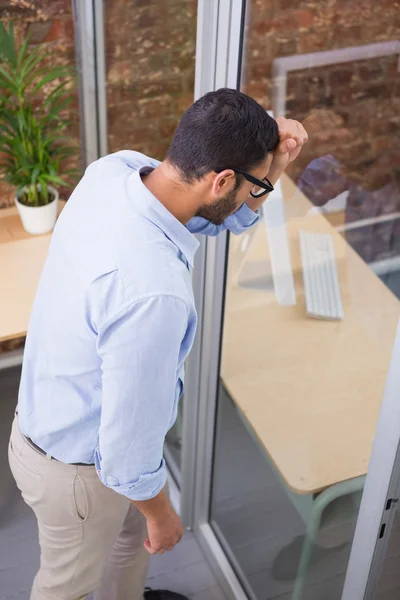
pixel 323 499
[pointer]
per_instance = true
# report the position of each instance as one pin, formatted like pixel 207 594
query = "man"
pixel 112 324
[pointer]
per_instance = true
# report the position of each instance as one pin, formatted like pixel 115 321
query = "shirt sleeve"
pixel 140 352
pixel 242 219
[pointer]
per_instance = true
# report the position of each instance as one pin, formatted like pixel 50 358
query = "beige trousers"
pixel 91 538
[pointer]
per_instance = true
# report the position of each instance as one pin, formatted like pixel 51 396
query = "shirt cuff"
pixel 246 216
pixel 242 219
pixel 148 486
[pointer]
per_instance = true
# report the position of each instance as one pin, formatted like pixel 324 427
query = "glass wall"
pixel 150 59
pixel 299 396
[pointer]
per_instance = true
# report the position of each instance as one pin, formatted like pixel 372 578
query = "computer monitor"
pixel 274 274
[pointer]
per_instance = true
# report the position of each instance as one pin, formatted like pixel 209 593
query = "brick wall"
pixel 358 103
pixel 149 71
pixel 49 24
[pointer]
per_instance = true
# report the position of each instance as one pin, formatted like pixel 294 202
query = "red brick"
pixel 38 31
pixel 184 101
pixel 315 40
pixel 263 27
pixel 261 70
pixel 6 194
pixel 155 108
pixel 343 75
pixel 290 20
pixel 166 129
pixel 378 68
pixel 55 32
pixel 287 45
pixel 303 18
pixel 120 73
pixel 55 7
pixel 69 28
pixel 10 10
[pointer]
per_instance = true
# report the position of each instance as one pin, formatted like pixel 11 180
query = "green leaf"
pixel 6 130
pixel 9 80
pixel 56 93
pixel 30 63
pixel 22 53
pixel 5 147
pixel 62 153
pixel 35 175
pixel 55 73
pixel 56 179
pixel 55 110
pixel 44 189
pixel 11 119
pixel 7 43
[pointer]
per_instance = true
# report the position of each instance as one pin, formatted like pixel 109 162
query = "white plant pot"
pixel 39 219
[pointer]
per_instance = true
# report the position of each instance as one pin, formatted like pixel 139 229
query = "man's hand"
pixel 164 527
pixel 292 137
pixel 164 532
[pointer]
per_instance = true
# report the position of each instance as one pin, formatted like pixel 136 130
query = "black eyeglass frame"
pixel 266 185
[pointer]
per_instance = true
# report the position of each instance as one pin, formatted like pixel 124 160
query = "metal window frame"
pixel 90 58
pixel 207 17
pixel 206 38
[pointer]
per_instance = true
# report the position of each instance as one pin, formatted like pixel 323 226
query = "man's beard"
pixel 221 209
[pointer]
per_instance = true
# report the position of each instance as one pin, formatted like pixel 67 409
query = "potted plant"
pixel 32 141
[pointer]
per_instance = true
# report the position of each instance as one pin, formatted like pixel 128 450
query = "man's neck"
pixel 177 198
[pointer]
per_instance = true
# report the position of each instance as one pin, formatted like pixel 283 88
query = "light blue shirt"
pixel 112 324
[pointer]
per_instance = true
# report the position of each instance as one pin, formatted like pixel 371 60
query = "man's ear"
pixel 223 182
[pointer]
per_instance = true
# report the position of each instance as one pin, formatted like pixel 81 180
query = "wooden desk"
pixel 22 257
pixel 310 390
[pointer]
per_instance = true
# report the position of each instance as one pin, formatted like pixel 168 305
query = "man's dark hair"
pixel 222 130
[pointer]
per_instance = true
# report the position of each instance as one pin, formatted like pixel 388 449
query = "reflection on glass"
pixel 299 396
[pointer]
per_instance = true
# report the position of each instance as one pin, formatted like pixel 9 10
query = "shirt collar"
pixel 149 206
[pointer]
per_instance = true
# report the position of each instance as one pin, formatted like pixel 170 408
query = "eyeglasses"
pixel 261 188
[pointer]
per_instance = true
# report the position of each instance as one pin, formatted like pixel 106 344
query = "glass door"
pixel 296 398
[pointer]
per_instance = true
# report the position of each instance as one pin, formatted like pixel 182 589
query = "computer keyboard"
pixel 321 280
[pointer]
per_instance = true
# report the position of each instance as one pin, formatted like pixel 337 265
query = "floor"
pixel 392 280
pixel 183 570
pixel 258 524
pixel 252 515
